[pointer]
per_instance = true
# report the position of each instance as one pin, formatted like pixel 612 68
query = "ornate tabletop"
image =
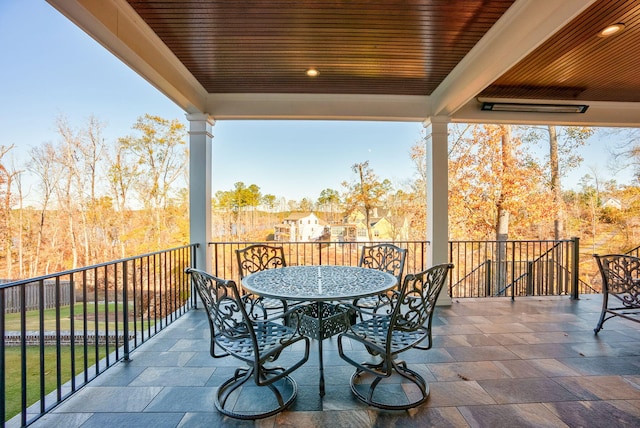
pixel 318 283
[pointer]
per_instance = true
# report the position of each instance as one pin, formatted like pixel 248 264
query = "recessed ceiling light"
pixel 611 30
pixel 312 72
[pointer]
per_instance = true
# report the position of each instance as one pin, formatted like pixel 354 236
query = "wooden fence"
pixel 64 297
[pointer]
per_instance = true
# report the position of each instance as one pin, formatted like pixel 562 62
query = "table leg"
pixel 320 361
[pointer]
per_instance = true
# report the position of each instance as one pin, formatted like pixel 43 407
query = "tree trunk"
pixel 21 223
pixel 7 232
pixel 368 220
pixel 556 189
pixel 502 227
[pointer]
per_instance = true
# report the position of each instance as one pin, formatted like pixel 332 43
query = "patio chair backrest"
pixel 384 257
pixel 416 303
pixel 226 312
pixel 258 257
pixel 620 277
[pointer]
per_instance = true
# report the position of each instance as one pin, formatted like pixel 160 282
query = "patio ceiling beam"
pixel 318 106
pixel 119 29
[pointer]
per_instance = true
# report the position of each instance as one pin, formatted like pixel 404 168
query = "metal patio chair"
pixel 385 336
pixel 620 287
pixel 387 258
pixel 256 342
pixel 258 257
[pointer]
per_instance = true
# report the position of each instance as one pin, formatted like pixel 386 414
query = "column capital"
pixel 200 123
pixel 201 117
pixel 435 120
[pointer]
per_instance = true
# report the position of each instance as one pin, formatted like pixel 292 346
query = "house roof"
pixel 383 60
pixel 298 215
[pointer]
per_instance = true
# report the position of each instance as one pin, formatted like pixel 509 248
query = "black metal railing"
pixel 481 268
pixel 111 308
pixel 516 268
pixel 635 252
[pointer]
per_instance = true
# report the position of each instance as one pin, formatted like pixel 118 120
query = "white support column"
pixel 437 152
pixel 200 159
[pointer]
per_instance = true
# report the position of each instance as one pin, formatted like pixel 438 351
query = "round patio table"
pixel 319 285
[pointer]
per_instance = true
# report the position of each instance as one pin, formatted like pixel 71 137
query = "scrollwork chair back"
pixel 259 257
pixel 387 258
pixel 384 257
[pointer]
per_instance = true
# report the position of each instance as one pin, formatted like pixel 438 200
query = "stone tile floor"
pixel 495 363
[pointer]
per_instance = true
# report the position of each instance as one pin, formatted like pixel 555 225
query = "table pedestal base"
pixel 320 321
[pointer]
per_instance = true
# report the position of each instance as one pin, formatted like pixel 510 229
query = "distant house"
pixel 344 232
pixel 300 227
pixel 612 203
pixel 383 227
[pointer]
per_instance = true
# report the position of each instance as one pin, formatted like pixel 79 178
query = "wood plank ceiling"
pixel 577 64
pixel 358 47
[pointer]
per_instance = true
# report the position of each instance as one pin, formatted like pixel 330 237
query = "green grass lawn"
pixel 13 372
pixel 13 353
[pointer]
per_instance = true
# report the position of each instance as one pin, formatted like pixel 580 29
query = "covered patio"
pixel 495 362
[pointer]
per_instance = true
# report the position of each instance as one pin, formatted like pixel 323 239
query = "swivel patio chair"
pixel 387 258
pixel 256 342
pixel 385 336
pixel 620 283
pixel 258 257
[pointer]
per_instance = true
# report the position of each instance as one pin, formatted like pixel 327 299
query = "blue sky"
pixel 52 68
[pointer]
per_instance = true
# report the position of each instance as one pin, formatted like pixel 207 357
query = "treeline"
pixel 101 201
pixel 97 201
pixel 499 189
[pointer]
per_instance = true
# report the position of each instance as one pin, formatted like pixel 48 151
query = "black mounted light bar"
pixel 534 108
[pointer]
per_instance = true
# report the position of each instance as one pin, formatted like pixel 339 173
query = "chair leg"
pixel 284 391
pixel 367 395
pixel 605 303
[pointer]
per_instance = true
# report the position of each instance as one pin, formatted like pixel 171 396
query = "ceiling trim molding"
pixel 318 106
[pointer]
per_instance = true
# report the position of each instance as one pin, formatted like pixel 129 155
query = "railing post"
pixel 23 352
pixel 513 270
pixel 575 269
pixel 125 309
pixel 194 298
pixel 3 393
pixel 488 280
pixel 450 261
